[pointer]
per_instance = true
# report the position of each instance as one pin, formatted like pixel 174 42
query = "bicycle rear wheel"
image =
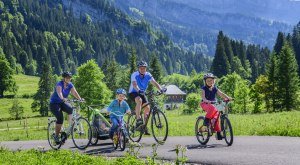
pixel 94 139
pixel 159 126
pixel 133 134
pixel 81 133
pixel 51 133
pixel 201 131
pixel 227 130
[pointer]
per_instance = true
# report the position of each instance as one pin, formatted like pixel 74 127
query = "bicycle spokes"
pixel 81 133
pixel 159 126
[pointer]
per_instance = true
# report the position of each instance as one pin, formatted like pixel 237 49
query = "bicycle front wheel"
pixel 133 134
pixel 81 133
pixel 227 130
pixel 51 133
pixel 122 140
pixel 159 126
pixel 201 131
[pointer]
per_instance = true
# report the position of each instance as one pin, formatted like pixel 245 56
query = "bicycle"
pixel 120 136
pixel 80 129
pixel 158 121
pixel 203 133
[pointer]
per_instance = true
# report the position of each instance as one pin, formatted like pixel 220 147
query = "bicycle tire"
pixel 122 140
pixel 157 122
pixel 79 142
pixel 201 135
pixel 50 132
pixel 95 132
pixel 227 130
pixel 133 134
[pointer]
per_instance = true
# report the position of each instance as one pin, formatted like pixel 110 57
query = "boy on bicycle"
pixel 139 84
pixel 117 106
pixel 209 91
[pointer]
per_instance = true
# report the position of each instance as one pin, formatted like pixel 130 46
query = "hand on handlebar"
pixel 142 92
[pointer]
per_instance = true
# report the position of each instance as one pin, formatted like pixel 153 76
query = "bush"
pixel 192 101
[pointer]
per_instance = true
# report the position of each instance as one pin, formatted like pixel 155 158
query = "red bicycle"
pixel 203 133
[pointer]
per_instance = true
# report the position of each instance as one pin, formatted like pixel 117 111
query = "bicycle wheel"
pixel 116 140
pixel 122 140
pixel 81 133
pixel 159 126
pixel 202 132
pixel 133 134
pixel 94 139
pixel 51 133
pixel 227 130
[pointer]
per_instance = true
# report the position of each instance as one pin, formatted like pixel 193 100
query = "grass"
pixel 6 104
pixel 60 157
pixel 274 124
pixel 28 85
pixel 268 124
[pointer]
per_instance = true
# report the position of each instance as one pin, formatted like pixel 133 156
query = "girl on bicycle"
pixel 117 106
pixel 58 101
pixel 209 91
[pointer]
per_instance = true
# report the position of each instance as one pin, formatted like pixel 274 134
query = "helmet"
pixel 209 75
pixel 66 74
pixel 142 64
pixel 121 91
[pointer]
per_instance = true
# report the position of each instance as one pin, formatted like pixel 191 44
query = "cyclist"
pixel 139 84
pixel 58 102
pixel 209 91
pixel 118 106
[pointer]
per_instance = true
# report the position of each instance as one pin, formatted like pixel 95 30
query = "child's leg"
pixel 209 109
pixel 114 126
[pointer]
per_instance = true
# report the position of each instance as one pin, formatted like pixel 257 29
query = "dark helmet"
pixel 66 74
pixel 209 75
pixel 121 91
pixel 142 64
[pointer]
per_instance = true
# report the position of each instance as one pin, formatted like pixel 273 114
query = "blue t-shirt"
pixel 142 81
pixel 210 94
pixel 65 92
pixel 119 109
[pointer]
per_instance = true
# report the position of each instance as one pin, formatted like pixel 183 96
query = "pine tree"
pixel 288 79
pixel 273 79
pixel 220 65
pixel 7 83
pixel 111 78
pixel 279 42
pixel 155 68
pixel 296 43
pixel 41 98
pixel 132 61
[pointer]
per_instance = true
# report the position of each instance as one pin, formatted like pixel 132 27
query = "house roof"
pixel 174 90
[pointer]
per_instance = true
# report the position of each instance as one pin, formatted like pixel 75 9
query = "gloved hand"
pixel 142 92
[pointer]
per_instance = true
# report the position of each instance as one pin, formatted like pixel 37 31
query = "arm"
pixel 153 82
pixel 75 93
pixel 135 86
pixel 203 97
pixel 59 93
pixel 223 95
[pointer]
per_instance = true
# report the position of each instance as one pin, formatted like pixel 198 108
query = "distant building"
pixel 175 96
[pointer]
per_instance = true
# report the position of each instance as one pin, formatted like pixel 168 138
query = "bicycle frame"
pixel 152 104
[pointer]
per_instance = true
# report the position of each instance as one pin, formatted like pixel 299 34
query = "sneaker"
pixel 56 139
pixel 139 123
pixel 218 136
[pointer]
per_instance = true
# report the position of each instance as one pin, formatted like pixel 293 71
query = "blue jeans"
pixel 115 123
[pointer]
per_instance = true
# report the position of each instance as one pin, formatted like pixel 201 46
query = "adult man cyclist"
pixel 58 101
pixel 139 84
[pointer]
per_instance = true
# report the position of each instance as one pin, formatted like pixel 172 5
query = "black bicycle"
pixel 159 123
pixel 203 133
